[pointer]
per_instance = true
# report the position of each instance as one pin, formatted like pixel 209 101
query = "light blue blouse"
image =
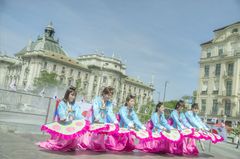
pixel 160 122
pixel 63 114
pixel 179 120
pixel 195 121
pixel 103 115
pixel 129 117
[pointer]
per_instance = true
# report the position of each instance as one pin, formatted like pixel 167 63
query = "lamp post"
pixel 159 93
pixel 165 89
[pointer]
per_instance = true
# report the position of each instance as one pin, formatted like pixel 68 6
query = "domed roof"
pixel 45 42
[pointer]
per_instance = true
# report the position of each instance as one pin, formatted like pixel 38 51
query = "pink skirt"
pixel 186 146
pixel 120 142
pixel 59 144
pixel 189 146
pixel 92 141
pixel 154 146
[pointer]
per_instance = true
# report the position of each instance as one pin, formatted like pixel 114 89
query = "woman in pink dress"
pixel 158 124
pixel 128 120
pixel 102 114
pixel 188 146
pixel 67 112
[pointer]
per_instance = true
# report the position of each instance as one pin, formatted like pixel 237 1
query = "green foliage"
pixel 194 96
pixel 146 111
pixel 170 104
pixel 236 131
pixel 79 88
pixel 46 80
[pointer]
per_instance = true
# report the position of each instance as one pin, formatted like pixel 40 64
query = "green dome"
pixel 45 43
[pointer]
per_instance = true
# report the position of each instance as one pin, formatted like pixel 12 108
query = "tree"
pixel 146 111
pixel 194 96
pixel 78 86
pixel 236 131
pixel 46 80
pixel 170 104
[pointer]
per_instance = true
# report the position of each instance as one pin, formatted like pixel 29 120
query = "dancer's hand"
pixel 71 118
pixel 96 120
pixel 168 130
pixel 131 125
pixel 164 129
pixel 144 128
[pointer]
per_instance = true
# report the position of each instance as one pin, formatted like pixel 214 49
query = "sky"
pixel 154 38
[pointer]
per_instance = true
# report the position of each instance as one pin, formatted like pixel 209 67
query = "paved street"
pixel 22 147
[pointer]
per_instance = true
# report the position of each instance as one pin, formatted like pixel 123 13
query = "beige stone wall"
pixel 224 49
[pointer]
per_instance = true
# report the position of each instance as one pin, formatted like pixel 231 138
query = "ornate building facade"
pixel 90 72
pixel 219 83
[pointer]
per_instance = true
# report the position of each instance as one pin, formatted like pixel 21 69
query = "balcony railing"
pixel 227 93
pixel 215 92
pixel 204 92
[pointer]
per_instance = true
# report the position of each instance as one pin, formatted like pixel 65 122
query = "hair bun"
pixel 72 88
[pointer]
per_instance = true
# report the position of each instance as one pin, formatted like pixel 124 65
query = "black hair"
pixel 107 90
pixel 179 104
pixel 194 106
pixel 129 97
pixel 158 106
pixel 69 91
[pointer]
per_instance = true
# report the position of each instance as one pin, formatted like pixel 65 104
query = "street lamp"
pixel 159 93
pixel 165 89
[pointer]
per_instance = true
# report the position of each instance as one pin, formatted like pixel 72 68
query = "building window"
pixel 215 87
pixel 86 76
pixel 54 67
pixel 204 87
pixel 85 86
pixel 69 82
pixel 230 69
pixel 45 65
pixel 71 71
pixel 218 70
pixel 229 88
pixel 235 30
pixel 208 54
pixel 63 69
pixel 203 105
pixel 215 107
pixel 61 80
pixel 228 107
pixel 206 71
pixel 95 78
pixel 104 79
pixel 114 81
pixel 79 73
pixel 220 51
pixel 94 89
